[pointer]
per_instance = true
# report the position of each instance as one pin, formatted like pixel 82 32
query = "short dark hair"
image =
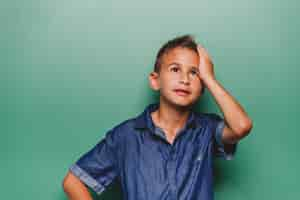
pixel 185 41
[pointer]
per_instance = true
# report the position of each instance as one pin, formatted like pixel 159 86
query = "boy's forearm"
pixel 234 114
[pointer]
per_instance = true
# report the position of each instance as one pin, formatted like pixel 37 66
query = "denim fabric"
pixel 148 167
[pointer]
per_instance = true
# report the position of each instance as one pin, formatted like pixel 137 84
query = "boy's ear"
pixel 154 81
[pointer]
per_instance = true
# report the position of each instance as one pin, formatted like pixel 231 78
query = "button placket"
pixel 172 172
pixel 171 164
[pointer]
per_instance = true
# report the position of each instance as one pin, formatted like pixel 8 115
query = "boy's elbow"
pixel 74 188
pixel 245 129
pixel 68 182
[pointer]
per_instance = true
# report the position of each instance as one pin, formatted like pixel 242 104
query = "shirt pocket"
pixel 199 156
pixel 194 159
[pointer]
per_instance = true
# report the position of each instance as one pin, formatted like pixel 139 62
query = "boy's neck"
pixel 170 118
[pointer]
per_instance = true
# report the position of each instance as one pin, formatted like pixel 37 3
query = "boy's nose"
pixel 184 79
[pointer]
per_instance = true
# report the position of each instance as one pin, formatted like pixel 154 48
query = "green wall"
pixel 70 70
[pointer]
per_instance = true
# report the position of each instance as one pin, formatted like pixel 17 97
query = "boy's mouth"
pixel 182 92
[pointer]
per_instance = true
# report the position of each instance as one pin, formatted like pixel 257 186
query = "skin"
pixel 174 109
pixel 179 70
pixel 75 189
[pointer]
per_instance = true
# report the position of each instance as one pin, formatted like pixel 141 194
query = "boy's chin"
pixel 183 105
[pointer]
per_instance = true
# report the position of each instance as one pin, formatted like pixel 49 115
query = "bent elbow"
pixel 64 183
pixel 67 182
pixel 244 129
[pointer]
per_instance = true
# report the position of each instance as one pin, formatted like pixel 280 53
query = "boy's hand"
pixel 238 124
pixel 206 70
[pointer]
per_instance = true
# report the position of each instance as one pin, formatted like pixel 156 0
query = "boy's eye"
pixel 175 69
pixel 194 72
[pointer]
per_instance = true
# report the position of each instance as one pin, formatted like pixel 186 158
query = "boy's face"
pixel 179 71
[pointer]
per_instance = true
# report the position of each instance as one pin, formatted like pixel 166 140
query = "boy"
pixel 166 152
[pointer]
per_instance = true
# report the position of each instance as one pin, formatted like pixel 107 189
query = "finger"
pixel 200 52
pixel 204 52
pixel 199 48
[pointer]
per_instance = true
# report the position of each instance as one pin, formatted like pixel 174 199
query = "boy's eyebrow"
pixel 175 63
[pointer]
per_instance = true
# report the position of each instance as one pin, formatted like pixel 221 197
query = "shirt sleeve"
pixel 219 148
pixel 97 168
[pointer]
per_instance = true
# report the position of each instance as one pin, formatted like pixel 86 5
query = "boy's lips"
pixel 182 92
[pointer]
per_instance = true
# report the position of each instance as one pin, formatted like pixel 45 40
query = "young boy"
pixel 166 152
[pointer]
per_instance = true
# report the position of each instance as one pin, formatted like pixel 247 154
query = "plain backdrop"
pixel 71 70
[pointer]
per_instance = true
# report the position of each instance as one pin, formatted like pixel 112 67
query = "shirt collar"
pixel 144 120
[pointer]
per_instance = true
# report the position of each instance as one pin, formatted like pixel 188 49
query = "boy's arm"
pixel 75 189
pixel 238 124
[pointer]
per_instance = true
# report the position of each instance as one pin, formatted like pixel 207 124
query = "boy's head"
pixel 176 68
pixel 185 41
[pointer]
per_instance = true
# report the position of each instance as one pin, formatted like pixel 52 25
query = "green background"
pixel 71 70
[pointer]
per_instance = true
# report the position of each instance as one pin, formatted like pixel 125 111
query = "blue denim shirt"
pixel 137 153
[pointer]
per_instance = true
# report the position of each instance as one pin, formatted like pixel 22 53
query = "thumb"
pixel 200 46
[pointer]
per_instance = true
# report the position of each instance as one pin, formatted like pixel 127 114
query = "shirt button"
pixel 174 156
pixel 173 188
pixel 199 158
pixel 169 164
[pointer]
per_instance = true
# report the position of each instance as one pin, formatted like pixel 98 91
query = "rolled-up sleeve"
pixel 219 148
pixel 98 167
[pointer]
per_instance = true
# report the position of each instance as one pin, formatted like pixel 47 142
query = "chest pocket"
pixel 202 145
pixel 200 153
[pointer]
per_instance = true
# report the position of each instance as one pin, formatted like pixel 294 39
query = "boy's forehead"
pixel 181 54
